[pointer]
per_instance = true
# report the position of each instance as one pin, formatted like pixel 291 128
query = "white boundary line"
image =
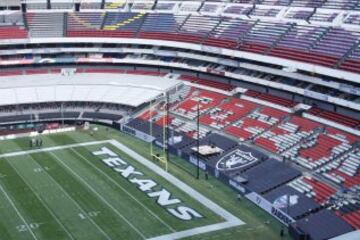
pixel 69 197
pixel 124 190
pixel 99 195
pixel 18 213
pixel 42 202
pixel 14 154
pixel 230 220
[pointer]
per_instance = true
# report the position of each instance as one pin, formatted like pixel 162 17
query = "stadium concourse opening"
pixel 159 119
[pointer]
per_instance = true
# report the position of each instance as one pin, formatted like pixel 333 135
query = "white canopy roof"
pixel 132 90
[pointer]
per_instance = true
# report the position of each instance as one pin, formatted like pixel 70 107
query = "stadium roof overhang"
pixel 124 89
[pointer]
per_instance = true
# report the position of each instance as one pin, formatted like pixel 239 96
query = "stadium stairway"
pixel 124 22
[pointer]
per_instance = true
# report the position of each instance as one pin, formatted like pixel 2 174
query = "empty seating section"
pixel 271 98
pixel 255 123
pixel 209 83
pixel 341 4
pixel 344 170
pixel 299 14
pixel 298 44
pixel 352 63
pixel 190 6
pixel 162 121
pixel 167 6
pixel 210 8
pixel 323 45
pixel 12 26
pixel 10 72
pixel 227 113
pixel 265 12
pixel 324 16
pixel 36 71
pixel 90 4
pixel 44 25
pixel 336 117
pixel 301 37
pixel 98 25
pixel 262 36
pixel 313 188
pixel 277 100
pixel 336 42
pixel 11 19
pixel 182 92
pixel 319 149
pixel 307 3
pixel 188 128
pixel 205 100
pixel 115 4
pixel 228 32
pixel 124 22
pixel 161 26
pixel 147 115
pixel 353 19
pixel 10 32
pixel 62 4
pixel 348 208
pixel 83 21
pixel 276 2
pixel 353 217
pixel 341 135
pixel 196 28
pixel 145 5
pixel 36 4
pixel 287 134
pixel 238 9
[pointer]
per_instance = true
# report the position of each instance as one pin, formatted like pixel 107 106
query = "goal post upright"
pixel 163 155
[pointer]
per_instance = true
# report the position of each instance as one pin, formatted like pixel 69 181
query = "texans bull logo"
pixel 235 160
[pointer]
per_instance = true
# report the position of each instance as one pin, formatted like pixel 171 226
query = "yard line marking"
pixel 14 154
pixel 18 213
pixel 101 197
pixel 76 203
pixel 42 202
pixel 230 219
pixel 119 186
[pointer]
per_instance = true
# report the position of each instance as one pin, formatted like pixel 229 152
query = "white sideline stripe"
pixel 123 189
pixel 99 196
pixel 231 220
pixel 42 202
pixel 18 213
pixel 195 231
pixel 70 198
pixel 14 154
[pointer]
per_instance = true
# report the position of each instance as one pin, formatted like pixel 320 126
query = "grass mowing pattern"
pixel 59 186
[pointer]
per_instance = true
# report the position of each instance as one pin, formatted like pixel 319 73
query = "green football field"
pixel 72 188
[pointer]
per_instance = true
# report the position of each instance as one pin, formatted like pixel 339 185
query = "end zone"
pixel 230 220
